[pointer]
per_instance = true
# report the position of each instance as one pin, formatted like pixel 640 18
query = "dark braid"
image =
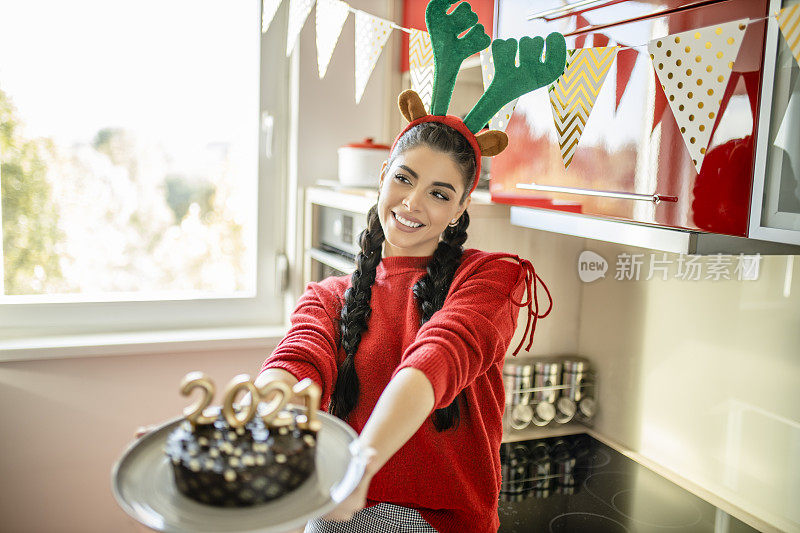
pixel 430 290
pixel 355 314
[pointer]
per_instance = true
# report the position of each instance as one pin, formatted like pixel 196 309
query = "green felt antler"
pixel 449 51
pixel 510 81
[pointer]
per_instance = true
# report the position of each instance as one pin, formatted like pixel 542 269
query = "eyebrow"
pixel 437 183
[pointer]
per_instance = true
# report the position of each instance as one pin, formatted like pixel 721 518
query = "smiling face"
pixel 420 194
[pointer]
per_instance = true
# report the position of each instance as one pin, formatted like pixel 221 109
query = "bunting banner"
pixel 331 16
pixel 371 36
pixel 573 94
pixel 420 64
pixel 500 120
pixel 268 10
pixel 298 13
pixel 789 21
pixel 693 68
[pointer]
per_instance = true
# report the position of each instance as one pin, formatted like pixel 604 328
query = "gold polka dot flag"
pixel 789 21
pixel 268 10
pixel 331 15
pixel 420 64
pixel 298 13
pixel 371 36
pixel 693 68
pixel 500 120
pixel 573 94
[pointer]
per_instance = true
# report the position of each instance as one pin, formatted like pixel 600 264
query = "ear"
pixel 411 105
pixel 384 166
pixel 492 142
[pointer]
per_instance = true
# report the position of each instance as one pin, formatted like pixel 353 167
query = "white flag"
pixel 298 13
pixel 694 68
pixel 371 35
pixel 331 15
pixel 268 10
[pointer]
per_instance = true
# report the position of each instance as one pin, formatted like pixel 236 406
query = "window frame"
pixel 265 308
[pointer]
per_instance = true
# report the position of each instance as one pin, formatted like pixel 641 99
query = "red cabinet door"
pixel 636 147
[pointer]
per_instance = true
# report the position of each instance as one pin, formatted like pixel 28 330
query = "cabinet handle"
pixel 655 198
pixel 565 9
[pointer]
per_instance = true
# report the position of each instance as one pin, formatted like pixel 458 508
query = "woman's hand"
pixel 358 498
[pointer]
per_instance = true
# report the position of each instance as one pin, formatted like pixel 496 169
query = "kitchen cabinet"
pixel 632 179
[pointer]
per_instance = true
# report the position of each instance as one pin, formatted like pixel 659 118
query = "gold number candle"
pixel 312 392
pixel 194 413
pixel 272 410
pixel 241 382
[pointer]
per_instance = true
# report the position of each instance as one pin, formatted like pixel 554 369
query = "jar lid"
pixel 367 143
pixel 547 367
pixel 573 365
pixel 518 369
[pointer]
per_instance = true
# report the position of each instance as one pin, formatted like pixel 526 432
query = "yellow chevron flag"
pixel 420 60
pixel 789 21
pixel 573 94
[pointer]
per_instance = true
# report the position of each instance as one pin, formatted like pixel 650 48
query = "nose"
pixel 410 201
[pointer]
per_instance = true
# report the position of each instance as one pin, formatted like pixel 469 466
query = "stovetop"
pixel 578 484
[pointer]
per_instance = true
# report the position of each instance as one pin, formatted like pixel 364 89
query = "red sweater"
pixel 451 477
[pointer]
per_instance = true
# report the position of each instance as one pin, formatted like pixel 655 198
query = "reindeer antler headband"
pixel 509 82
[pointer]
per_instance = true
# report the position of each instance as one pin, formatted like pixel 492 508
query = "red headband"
pixel 458 125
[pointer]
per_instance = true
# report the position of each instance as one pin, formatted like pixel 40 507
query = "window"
pixel 137 193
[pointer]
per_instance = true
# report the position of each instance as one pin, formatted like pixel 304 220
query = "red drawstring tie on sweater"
pixel 528 274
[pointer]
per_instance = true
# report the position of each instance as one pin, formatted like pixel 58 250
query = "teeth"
pixel 405 222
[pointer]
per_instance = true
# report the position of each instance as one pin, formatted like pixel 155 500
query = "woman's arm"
pixel 404 405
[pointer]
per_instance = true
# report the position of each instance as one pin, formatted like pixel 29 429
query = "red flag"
pixel 580 22
pixel 660 104
pixel 626 59
pixel 600 40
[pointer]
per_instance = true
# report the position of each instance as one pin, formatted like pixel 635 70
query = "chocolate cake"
pixel 216 464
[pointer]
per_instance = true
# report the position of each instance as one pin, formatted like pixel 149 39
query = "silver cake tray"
pixel 143 484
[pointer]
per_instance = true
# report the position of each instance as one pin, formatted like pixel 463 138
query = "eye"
pixel 440 195
pixel 401 178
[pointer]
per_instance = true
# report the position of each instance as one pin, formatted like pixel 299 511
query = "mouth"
pixel 410 224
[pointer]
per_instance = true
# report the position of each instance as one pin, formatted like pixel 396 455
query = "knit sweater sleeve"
pixel 471 332
pixel 309 348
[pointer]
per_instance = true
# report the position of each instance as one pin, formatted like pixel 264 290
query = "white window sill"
pixel 111 344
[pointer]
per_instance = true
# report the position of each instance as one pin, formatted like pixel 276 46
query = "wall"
pixel 703 377
pixel 328 115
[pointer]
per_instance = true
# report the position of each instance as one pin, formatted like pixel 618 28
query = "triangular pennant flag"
pixel 600 40
pixel 371 35
pixel 298 13
pixel 660 104
pixel 789 21
pixel 573 94
pixel 693 68
pixel 268 10
pixel 420 63
pixel 331 15
pixel 626 60
pixel 581 22
pixel 500 120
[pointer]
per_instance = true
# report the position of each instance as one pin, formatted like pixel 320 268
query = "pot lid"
pixel 367 143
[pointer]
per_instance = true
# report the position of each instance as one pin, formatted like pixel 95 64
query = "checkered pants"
pixel 380 518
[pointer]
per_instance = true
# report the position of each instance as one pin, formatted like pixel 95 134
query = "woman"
pixel 409 349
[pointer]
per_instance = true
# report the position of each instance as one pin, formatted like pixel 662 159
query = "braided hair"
pixel 430 291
